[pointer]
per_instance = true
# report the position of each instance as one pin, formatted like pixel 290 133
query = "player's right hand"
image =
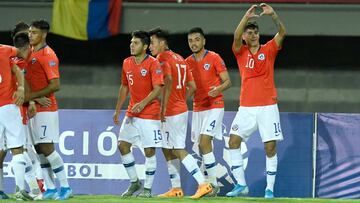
pixel 43 101
pixel 116 118
pixel 19 96
pixel 251 12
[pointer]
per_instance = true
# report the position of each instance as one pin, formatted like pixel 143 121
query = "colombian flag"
pixel 86 19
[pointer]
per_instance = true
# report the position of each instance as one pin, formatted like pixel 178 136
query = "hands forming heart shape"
pixel 266 10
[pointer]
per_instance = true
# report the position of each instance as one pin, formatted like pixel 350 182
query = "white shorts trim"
pixel 11 127
pixel 141 132
pixel 264 118
pixel 207 122
pixel 174 131
pixel 44 127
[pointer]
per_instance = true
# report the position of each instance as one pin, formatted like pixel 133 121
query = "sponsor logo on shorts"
pixel 235 127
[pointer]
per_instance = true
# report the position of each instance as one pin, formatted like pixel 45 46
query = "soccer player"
pixel 142 77
pixel 28 111
pixel 11 98
pixel 43 77
pixel 211 78
pixel 174 114
pixel 258 98
pixel 32 164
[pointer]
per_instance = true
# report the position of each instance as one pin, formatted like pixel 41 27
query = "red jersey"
pixel 173 64
pixel 22 64
pixel 43 66
pixel 257 75
pixel 7 87
pixel 206 74
pixel 140 79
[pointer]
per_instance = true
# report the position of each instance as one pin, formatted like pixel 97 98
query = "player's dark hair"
pixel 21 40
pixel 251 25
pixel 19 27
pixel 196 30
pixel 142 35
pixel 160 34
pixel 41 24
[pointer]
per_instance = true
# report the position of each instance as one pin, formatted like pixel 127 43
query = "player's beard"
pixel 197 50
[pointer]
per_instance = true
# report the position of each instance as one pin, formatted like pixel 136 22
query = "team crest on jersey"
pixel 143 72
pixel 33 60
pixel 235 127
pixel 206 66
pixel 261 57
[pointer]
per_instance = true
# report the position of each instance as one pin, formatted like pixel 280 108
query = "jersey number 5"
pixel 181 80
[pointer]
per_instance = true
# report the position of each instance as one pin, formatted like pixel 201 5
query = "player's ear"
pixel 145 47
pixel 44 35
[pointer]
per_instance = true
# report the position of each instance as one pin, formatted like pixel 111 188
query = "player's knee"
pixel 18 150
pixel 149 152
pixel 270 150
pixel 123 148
pixel 234 143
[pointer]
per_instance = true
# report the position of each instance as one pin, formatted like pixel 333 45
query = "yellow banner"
pixel 70 18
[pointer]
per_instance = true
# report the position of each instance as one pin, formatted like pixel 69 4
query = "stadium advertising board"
pixel 88 145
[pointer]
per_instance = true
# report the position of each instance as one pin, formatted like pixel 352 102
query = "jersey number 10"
pixel 249 62
pixel 181 80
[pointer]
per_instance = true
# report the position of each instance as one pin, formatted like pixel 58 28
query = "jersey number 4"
pixel 181 78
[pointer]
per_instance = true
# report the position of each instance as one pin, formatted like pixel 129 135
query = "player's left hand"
pixel 214 92
pixel 19 96
pixel 43 101
pixel 31 109
pixel 162 117
pixel 137 108
pixel 267 10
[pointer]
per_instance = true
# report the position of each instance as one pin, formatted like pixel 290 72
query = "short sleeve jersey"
pixel 43 66
pixel 206 74
pixel 140 79
pixel 257 75
pixel 7 86
pixel 174 65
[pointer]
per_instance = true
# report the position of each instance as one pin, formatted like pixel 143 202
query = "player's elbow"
pixel 55 87
pixel 282 32
pixel 168 80
pixel 229 83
